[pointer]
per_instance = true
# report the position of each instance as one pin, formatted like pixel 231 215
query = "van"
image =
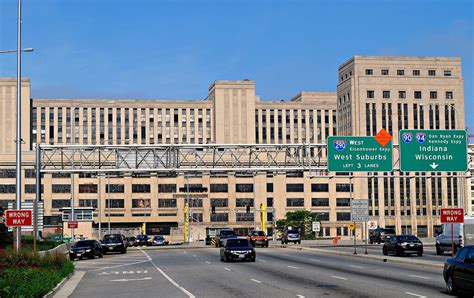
pixel 463 235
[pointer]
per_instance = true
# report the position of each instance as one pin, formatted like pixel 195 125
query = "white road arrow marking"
pixel 434 165
pixel 133 279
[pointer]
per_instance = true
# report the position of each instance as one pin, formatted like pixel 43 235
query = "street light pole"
pixel 18 127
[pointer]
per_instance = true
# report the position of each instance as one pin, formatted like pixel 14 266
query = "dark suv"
pixel 380 235
pixel 114 243
pixel 225 234
pixel 291 236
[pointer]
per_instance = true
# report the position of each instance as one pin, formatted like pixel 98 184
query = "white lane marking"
pixel 132 279
pixel 194 256
pixel 355 266
pixel 416 295
pixel 123 265
pixel 338 277
pixel 185 252
pixel 262 260
pixel 257 281
pixel 207 262
pixel 285 255
pixel 419 276
pixel 300 296
pixel 292 267
pixel 169 278
pixel 226 268
pixel 314 260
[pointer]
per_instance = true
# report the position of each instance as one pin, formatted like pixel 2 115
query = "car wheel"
pixel 420 253
pixel 379 241
pixel 385 252
pixel 438 250
pixel 266 244
pixel 450 287
pixel 123 251
pixel 371 242
pixel 252 259
pixel 101 256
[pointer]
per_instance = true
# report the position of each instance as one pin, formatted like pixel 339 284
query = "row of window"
pixel 401 72
pixel 403 94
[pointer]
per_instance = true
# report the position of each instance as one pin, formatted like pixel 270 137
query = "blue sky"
pixel 175 49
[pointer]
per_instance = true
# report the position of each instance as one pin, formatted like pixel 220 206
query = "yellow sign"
pixel 351 226
pixel 186 222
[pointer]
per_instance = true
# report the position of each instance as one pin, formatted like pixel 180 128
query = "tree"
pixel 301 220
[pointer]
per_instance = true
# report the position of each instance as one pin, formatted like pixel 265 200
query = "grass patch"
pixel 29 275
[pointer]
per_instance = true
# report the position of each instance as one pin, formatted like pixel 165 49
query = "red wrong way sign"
pixel 18 218
pixel 72 224
pixel 452 215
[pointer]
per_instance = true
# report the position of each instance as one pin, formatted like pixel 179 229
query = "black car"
pixel 144 240
pixel 237 249
pixel 85 248
pixel 114 243
pixel 225 234
pixel 458 272
pixel 402 245
pixel 380 235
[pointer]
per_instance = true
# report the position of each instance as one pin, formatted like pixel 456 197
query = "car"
pixel 258 238
pixel 237 249
pixel 444 238
pixel 458 272
pixel 291 236
pixel 380 235
pixel 225 234
pixel 144 240
pixel 403 245
pixel 159 240
pixel 114 243
pixel 85 248
pixel 132 241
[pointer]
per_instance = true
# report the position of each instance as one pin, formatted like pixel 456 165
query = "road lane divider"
pixel 355 266
pixel 419 276
pixel 228 269
pixel 314 260
pixel 416 295
pixel 207 262
pixel 338 277
pixel 132 279
pixel 174 283
pixel 255 280
pixel 293 267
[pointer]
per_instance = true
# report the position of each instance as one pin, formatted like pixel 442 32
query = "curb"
pixel 59 286
pixel 372 257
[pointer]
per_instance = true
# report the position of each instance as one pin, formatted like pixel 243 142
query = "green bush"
pixel 29 275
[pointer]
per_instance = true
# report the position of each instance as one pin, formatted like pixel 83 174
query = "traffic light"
pixel 213 209
pixel 248 209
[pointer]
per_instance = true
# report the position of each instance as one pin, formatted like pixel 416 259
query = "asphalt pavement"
pixel 278 272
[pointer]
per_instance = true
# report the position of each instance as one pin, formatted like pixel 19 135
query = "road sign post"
pixel 433 150
pixel 452 216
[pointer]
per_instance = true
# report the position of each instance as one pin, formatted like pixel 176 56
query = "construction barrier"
pixel 213 242
pixel 334 241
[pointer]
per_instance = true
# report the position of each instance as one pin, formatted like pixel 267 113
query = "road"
pixel 278 272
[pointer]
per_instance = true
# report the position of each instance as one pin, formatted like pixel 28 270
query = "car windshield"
pixel 143 237
pixel 260 233
pixel 84 243
pixel 405 238
pixel 237 243
pixel 293 232
pixel 227 233
pixel 158 237
pixel 112 237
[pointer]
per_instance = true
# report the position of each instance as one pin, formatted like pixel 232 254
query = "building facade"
pixel 373 92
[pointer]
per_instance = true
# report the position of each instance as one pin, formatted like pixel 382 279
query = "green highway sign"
pixel 359 154
pixel 433 150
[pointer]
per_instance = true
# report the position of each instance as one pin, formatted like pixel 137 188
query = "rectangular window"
pixel 319 187
pixel 141 188
pixel 296 187
pixel 269 202
pixel 343 202
pixel 60 203
pixel 219 188
pixel 416 72
pixel 400 72
pixel 431 72
pixel 449 95
pixel 369 72
pixel 195 202
pixel 114 203
pixel 343 216
pixel 219 217
pixel 141 203
pixel 384 72
pixel 243 216
pixel 8 173
pixel 167 203
pixel 417 94
pixel 269 187
pixel 31 188
pixel 87 188
pixel 370 94
pixel 433 95
pixel 219 202
pixel 402 94
pixel 343 187
pixel 320 202
pixel 61 188
pixel 166 188
pixel 292 202
pixel 115 188
pixel 244 187
pixel 243 202
pixel 7 188
pixel 386 94
pixel 88 203
pixel 447 73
